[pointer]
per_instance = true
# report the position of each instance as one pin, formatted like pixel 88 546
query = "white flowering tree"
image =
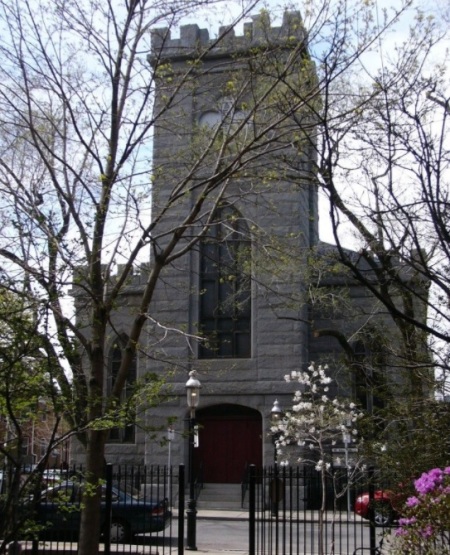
pixel 315 424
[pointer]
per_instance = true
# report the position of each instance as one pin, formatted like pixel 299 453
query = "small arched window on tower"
pixel 125 432
pixel 225 288
pixel 228 122
pixel 210 119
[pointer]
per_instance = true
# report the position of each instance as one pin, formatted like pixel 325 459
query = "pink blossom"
pixel 427 532
pixel 412 501
pixel 429 481
pixel 407 521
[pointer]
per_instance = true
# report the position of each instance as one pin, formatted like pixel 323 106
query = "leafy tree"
pixel 77 98
pixel 396 434
pixel 27 391
pixel 384 168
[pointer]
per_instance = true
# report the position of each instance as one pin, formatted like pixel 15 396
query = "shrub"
pixel 425 526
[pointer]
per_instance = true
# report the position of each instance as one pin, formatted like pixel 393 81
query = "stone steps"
pixel 220 497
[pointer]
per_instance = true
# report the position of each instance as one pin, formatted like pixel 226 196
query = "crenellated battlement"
pixel 256 33
pixel 137 278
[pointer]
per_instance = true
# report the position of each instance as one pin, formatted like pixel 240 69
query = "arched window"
pixel 232 123
pixel 125 433
pixel 225 288
pixel 210 119
pixel 369 378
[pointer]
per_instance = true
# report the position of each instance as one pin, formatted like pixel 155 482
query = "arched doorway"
pixel 230 438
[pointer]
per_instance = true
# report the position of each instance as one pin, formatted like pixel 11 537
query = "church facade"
pixel 237 307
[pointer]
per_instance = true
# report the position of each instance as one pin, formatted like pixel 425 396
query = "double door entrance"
pixel 230 439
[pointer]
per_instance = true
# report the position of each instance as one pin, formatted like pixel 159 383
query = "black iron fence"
pixel 137 508
pixel 297 511
pixel 291 511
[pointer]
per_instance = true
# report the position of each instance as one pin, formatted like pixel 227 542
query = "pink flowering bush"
pixel 425 526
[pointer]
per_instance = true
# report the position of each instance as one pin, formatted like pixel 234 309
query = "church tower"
pixel 234 122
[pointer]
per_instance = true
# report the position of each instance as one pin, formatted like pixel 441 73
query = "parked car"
pixel 58 512
pixel 386 506
pixel 52 476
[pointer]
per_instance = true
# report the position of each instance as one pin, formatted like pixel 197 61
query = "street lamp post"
pixel 276 415
pixel 193 387
pixel 346 439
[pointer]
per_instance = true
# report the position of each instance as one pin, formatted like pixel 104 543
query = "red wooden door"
pixel 227 443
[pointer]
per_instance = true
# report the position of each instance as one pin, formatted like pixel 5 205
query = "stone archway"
pixel 230 438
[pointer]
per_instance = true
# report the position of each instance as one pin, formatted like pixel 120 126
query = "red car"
pixel 385 506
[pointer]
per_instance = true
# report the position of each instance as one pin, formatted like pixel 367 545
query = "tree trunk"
pixel 90 514
pixel 323 507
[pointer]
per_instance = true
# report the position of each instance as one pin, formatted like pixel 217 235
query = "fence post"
pixel 275 506
pixel 108 508
pixel 252 510
pixel 372 536
pixel 181 494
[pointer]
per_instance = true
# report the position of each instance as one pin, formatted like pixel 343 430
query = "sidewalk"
pixel 303 516
pixel 217 551
pixel 219 514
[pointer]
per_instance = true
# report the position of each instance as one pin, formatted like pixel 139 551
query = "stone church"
pixel 237 308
